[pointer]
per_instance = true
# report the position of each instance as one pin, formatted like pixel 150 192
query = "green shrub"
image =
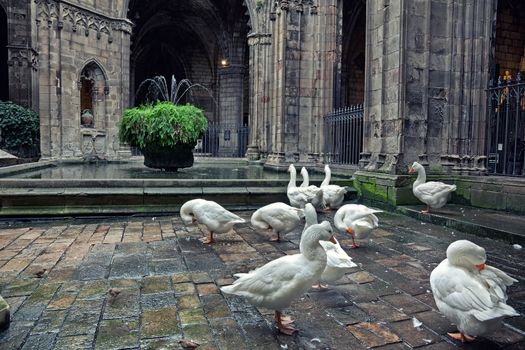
pixel 19 130
pixel 161 125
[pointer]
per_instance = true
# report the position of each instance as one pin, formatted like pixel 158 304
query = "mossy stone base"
pixel 490 192
pixel 5 317
pixel 390 190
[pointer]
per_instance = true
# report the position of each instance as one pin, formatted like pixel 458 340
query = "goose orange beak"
pixel 349 231
pixel 193 220
pixel 480 267
pixel 411 169
pixel 332 239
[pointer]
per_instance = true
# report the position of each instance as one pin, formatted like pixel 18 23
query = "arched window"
pixel 93 88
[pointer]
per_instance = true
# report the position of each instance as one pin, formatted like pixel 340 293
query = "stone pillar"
pixel 426 69
pixel 305 51
pixel 22 58
pixel 259 44
pixel 231 99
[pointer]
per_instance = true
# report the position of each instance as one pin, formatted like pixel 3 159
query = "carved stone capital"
pixel 255 39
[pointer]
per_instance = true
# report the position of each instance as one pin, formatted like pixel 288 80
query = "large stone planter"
pixel 169 158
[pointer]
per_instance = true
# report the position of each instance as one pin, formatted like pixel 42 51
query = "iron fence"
pixel 223 140
pixel 506 127
pixel 344 135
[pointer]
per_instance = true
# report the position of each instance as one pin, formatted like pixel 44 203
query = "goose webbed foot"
pixel 284 323
pixel 464 338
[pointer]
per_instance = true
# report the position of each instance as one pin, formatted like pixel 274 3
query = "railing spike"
pixel 500 81
pixel 518 77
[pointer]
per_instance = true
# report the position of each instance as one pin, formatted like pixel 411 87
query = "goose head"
pixel 414 167
pixel 186 211
pixel 466 254
pixel 326 168
pixel 291 168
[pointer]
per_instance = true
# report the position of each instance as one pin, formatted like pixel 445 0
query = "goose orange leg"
pixel 275 238
pixel 462 337
pixel 351 233
pixel 284 323
pixel 209 239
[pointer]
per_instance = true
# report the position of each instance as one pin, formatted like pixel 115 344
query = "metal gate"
pixel 223 140
pixel 344 135
pixel 506 126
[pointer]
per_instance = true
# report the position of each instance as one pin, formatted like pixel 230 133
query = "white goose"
pixel 277 283
pixel 469 293
pixel 278 217
pixel 210 214
pixel 434 194
pixel 299 196
pixel 357 220
pixel 333 195
pixel 306 177
pixel 337 262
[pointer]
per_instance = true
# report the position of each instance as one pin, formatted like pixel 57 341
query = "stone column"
pixel 231 80
pixel 305 51
pixel 426 69
pixel 259 44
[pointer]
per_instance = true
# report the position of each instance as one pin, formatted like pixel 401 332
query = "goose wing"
pixel 433 187
pixel 462 291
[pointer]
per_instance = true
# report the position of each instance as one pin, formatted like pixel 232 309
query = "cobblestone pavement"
pixel 169 281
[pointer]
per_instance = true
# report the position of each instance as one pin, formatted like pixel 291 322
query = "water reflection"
pixel 135 170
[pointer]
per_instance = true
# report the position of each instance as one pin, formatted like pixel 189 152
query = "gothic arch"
pixel 93 89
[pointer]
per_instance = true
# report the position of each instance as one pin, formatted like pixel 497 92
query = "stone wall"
pixel 69 38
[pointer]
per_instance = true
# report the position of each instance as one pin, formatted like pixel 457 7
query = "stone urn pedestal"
pixel 169 158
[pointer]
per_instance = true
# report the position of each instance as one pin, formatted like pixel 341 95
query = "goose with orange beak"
pixel 471 294
pixel 276 284
pixel 357 220
pixel 434 194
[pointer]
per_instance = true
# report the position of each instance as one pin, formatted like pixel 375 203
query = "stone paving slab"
pixel 165 287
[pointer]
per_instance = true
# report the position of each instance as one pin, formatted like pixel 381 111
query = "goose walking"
pixel 471 294
pixel 276 284
pixel 210 214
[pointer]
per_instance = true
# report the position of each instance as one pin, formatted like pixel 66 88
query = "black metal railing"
pixel 223 140
pixel 506 127
pixel 344 135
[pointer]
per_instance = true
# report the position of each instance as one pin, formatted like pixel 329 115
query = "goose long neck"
pixel 327 177
pixel 310 247
pixel 338 221
pixel 293 174
pixel 421 177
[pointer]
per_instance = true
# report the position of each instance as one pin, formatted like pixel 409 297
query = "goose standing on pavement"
pixel 356 219
pixel 337 261
pixel 276 284
pixel 278 217
pixel 471 294
pixel 210 214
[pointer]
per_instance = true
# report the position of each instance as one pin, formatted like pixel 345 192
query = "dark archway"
pixel 510 39
pixel 4 73
pixel 353 53
pixel 189 39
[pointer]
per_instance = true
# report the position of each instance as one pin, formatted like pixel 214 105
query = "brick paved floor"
pixel 169 288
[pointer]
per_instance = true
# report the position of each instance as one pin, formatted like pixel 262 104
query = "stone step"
pixel 18 202
pixel 490 223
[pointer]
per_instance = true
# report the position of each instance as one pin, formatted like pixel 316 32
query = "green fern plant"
pixel 162 125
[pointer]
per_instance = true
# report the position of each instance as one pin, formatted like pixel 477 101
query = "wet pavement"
pixel 165 287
